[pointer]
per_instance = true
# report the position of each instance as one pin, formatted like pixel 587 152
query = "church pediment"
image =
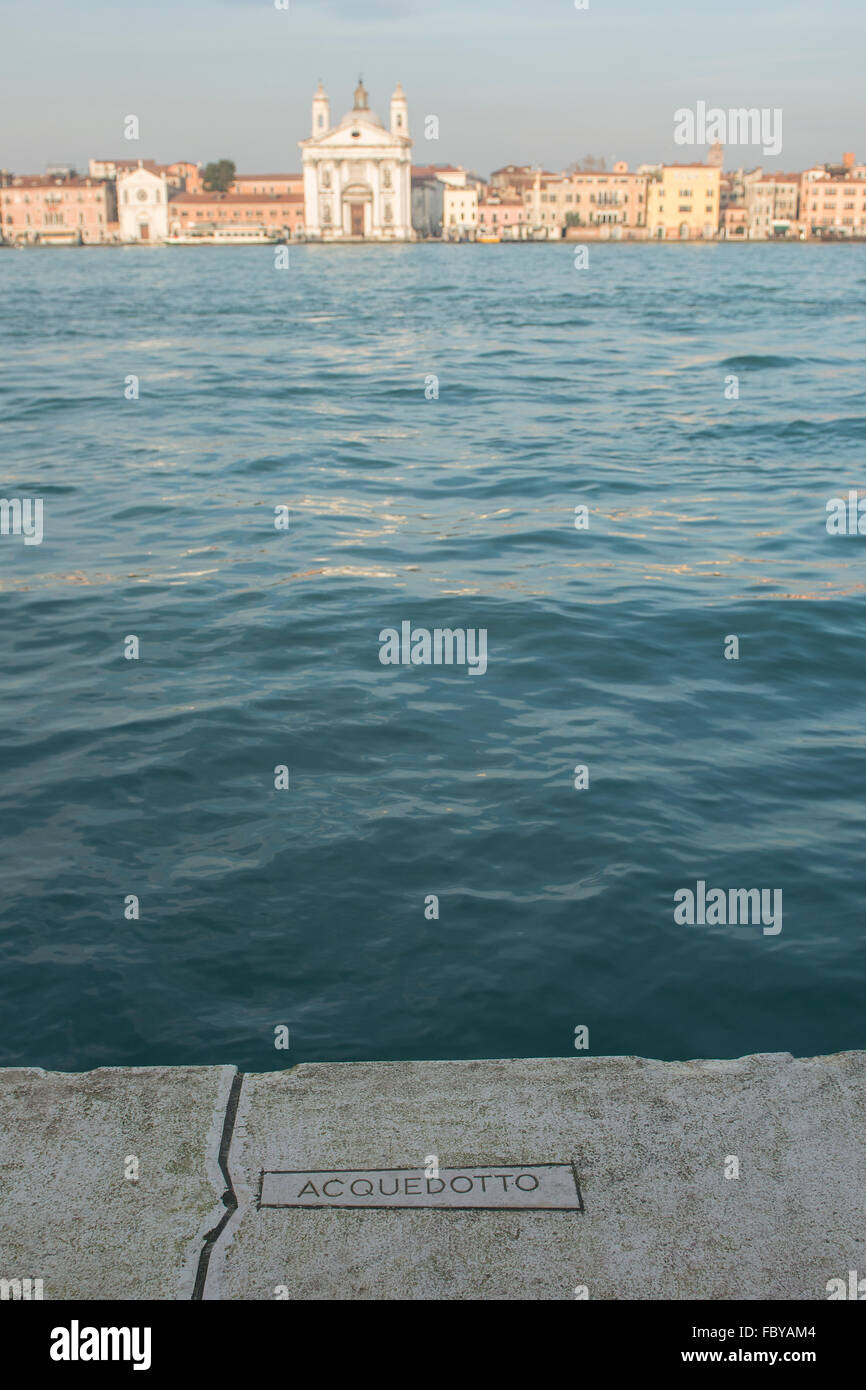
pixel 343 137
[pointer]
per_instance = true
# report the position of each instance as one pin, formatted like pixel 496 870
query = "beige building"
pixel 683 202
pixel 591 204
pixel 517 178
pixel 452 174
pixel 459 213
pixel 772 203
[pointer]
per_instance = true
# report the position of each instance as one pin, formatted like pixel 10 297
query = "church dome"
pixel 361 112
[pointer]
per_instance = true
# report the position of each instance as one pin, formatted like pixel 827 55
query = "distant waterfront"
pixel 441 241
pixel 556 387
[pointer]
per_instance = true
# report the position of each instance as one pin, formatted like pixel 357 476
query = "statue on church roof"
pixel 361 99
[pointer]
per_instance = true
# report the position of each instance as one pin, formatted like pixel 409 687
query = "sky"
pixel 511 81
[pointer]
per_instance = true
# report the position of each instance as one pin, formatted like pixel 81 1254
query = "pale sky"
pixel 523 81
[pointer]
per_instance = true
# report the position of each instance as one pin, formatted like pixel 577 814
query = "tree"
pixel 216 178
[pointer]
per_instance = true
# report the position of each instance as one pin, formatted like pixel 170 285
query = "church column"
pixel 311 195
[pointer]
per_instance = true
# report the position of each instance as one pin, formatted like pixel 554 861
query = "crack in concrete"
pixel 230 1201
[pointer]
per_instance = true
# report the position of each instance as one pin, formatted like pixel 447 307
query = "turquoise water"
pixel 558 388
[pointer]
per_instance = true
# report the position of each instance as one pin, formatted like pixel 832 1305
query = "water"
pixel 558 387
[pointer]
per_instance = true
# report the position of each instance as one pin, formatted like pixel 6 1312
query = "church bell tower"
pixel 399 112
pixel 321 112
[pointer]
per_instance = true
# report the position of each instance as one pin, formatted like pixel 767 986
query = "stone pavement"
pixel 549 1178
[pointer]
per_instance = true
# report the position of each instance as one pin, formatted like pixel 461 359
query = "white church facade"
pixel 142 205
pixel 358 175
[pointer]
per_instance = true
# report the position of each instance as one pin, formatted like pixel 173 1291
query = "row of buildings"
pixel 358 183
pixel 655 202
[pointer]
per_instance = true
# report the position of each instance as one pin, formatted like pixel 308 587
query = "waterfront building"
pixel 460 214
pixel 683 202
pixel 429 182
pixel 428 194
pixel 588 204
pixel 501 216
pixel 772 204
pixel 48 210
pixel 281 213
pixel 833 200
pixel 358 174
pixel 734 222
pixel 142 204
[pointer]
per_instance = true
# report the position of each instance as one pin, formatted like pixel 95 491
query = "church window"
pixel 326 178
pixel 386 177
pixel 389 213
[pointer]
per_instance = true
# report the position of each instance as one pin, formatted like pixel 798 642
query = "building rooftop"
pixel 236 199
pixel 53 181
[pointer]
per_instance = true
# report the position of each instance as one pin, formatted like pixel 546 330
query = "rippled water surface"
pixel 557 387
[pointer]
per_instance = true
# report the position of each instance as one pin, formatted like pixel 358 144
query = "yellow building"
pixel 459 213
pixel 683 202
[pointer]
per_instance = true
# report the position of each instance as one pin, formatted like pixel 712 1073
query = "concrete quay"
pixel 544 1178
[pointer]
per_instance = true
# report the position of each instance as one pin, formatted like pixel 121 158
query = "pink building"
pixel 58 211
pixel 184 175
pixel 273 211
pixel 833 200
pixel 501 217
pixel 735 223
